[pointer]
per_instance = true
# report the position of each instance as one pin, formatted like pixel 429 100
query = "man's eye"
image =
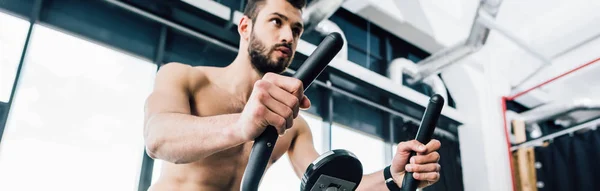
pixel 276 21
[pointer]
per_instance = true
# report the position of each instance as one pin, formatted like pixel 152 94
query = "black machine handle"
pixel 307 73
pixel 428 123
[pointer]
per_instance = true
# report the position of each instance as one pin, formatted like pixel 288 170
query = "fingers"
pixel 305 103
pixel 428 176
pixel 270 118
pixel 286 99
pixel 274 112
pixel 423 168
pixel 408 146
pixel 433 157
pixel 278 109
pixel 432 146
pixel 289 84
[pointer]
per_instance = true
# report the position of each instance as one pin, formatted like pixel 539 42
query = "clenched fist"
pixel 424 165
pixel 275 100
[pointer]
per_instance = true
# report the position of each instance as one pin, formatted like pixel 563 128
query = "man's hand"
pixel 275 100
pixel 424 165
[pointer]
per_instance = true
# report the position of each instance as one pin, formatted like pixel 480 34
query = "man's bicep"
pixel 302 152
pixel 171 91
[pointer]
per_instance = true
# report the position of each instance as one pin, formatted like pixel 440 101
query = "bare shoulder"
pixel 182 75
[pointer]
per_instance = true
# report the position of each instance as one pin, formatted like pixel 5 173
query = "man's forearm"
pixel 374 181
pixel 183 138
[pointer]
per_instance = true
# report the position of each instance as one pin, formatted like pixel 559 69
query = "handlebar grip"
pixel 424 134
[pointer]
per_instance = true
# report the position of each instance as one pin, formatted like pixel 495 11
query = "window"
pixel 366 50
pixel 13 32
pixel 156 170
pixel 77 117
pixel 316 127
pixel 369 150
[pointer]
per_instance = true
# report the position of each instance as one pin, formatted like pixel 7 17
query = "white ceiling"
pixel 549 26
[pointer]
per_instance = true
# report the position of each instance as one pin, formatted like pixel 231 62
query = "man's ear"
pixel 245 27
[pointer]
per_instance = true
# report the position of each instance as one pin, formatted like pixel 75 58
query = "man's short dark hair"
pixel 253 7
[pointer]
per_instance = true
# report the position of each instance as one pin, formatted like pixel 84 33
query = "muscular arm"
pixel 171 133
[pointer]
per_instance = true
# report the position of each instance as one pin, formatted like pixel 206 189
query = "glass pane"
pixel 369 150
pixel 352 27
pixel 280 176
pixel 77 118
pixel 156 170
pixel 13 32
pixel 358 57
pixel 316 125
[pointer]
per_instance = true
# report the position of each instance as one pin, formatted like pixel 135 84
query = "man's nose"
pixel 286 35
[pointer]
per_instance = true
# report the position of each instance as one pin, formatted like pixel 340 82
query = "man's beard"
pixel 261 57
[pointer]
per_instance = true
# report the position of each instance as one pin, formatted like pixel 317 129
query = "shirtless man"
pixel 202 120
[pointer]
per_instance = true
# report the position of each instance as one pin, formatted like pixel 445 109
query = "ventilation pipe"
pixel 553 110
pixel 399 66
pixel 315 18
pixel 437 62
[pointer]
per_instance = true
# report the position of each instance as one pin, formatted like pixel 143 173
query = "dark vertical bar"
pixel 369 45
pixel 160 50
pixel 146 172
pixel 327 112
pixel 387 49
pixel 147 162
pixel 389 146
pixel 35 14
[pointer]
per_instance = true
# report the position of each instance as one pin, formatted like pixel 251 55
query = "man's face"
pixel 275 33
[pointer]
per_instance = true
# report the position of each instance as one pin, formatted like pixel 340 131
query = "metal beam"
pixel 160 50
pixel 146 172
pixel 172 24
pixel 389 146
pixel 35 14
pixel 327 119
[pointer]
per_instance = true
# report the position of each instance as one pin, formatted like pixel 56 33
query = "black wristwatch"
pixel 389 181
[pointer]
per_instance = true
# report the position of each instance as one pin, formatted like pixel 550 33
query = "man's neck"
pixel 240 77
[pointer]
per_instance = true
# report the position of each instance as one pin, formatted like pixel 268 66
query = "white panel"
pixel 414 28
pixel 212 7
pixel 484 153
pixel 369 150
pixel 474 168
pixel 13 32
